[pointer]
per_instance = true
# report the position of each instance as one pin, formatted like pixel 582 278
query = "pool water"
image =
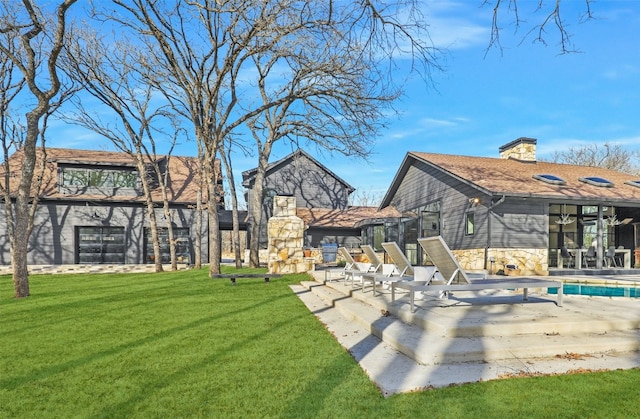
pixel 598 290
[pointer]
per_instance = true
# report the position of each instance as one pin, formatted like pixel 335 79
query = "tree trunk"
pixel 22 225
pixel 256 210
pixel 198 247
pixel 235 237
pixel 214 228
pixel 215 250
pixel 19 262
pixel 172 239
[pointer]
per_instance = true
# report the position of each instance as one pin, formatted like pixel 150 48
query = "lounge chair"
pixel 402 270
pixel 350 266
pixel 376 264
pixel 403 265
pixel 456 279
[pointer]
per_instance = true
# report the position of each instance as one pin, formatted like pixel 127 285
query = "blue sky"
pixel 484 99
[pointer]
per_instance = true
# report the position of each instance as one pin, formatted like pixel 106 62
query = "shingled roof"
pixel 514 177
pixel 348 218
pixel 183 185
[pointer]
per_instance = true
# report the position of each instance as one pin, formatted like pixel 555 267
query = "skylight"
pixel 635 183
pixel 552 179
pixel 597 181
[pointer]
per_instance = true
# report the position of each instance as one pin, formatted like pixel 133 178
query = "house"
pixel 513 210
pixel 298 174
pixel 92 210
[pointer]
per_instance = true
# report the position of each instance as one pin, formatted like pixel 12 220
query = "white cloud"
pixel 450 29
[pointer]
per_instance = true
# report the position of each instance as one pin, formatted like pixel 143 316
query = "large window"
pixel 100 244
pixel 181 236
pixel 99 178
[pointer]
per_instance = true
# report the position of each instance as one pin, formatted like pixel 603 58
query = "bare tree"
pixel 39 36
pixel 551 20
pixel 115 73
pixel 206 50
pixel 367 198
pixel 608 156
pixel 225 156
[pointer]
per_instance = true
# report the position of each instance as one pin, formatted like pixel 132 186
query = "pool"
pixel 599 290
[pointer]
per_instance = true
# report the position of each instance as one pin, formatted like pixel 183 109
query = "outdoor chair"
pixel 589 256
pixel 619 256
pixel 566 256
pixel 376 264
pixel 400 271
pixel 350 267
pixel 610 257
pixel 403 266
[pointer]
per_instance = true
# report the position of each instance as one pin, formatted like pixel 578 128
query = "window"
pixel 597 181
pixel 431 220
pixel 552 179
pixel 100 244
pixel 99 178
pixel 469 224
pixel 378 237
pixel 183 245
pixel 635 183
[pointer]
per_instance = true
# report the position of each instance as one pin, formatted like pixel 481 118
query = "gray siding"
pixel 519 223
pixel 53 240
pixel 513 223
pixel 309 183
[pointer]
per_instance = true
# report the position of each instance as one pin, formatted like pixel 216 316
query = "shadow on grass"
pixel 60 368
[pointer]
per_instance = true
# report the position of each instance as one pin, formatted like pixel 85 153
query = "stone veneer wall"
pixel 527 261
pixel 286 238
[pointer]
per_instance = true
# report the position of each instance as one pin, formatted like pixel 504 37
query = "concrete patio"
pixel 475 336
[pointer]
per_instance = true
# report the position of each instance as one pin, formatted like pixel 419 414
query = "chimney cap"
pixel 521 140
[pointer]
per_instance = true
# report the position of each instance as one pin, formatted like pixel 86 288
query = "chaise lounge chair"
pixel 350 267
pixel 456 279
pixel 401 271
pixel 377 265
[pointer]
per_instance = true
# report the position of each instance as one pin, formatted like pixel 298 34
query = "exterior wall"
pixel 520 224
pixel 54 240
pixel 527 261
pixel 309 183
pixel 512 229
pixel 423 184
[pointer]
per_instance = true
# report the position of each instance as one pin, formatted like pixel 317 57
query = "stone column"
pixel 286 238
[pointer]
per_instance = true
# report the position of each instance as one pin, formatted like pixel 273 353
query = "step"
pixel 510 317
pixel 435 345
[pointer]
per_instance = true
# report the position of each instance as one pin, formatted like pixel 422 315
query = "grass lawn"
pixel 182 345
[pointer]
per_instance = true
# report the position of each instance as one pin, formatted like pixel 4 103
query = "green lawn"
pixel 181 345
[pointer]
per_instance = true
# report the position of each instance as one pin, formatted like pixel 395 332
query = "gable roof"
pixel 183 186
pixel 351 217
pixel 511 177
pixel 248 176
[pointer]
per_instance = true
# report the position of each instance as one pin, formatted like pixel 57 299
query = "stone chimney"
pixel 523 149
pixel 286 236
